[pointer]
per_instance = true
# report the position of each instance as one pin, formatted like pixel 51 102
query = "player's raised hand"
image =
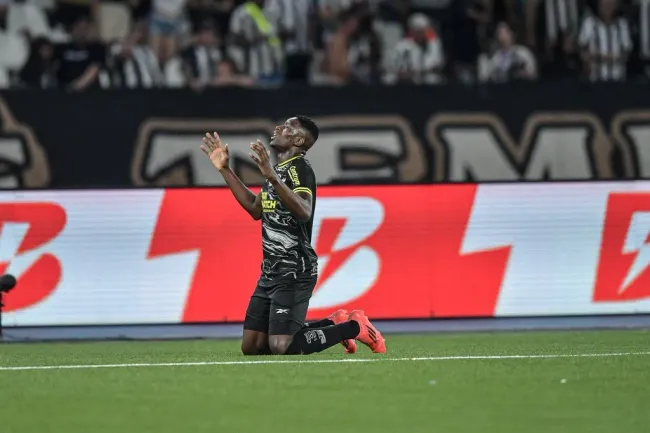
pixel 262 159
pixel 217 152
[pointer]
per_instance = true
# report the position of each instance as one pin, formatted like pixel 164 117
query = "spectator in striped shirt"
pixel 296 24
pixel 418 58
pixel 133 63
pixel 548 20
pixel 255 44
pixel 605 43
pixel 552 30
pixel 201 58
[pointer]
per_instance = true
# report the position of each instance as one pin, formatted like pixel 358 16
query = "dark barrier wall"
pixel 369 135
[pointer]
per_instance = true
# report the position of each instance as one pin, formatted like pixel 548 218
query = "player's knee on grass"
pixel 279 344
pixel 248 348
pixel 255 343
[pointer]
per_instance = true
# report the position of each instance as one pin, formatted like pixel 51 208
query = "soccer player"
pixel 275 318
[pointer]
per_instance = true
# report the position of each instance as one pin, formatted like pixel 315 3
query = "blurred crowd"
pixel 82 44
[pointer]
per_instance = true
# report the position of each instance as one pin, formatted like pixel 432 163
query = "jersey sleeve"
pixel 302 178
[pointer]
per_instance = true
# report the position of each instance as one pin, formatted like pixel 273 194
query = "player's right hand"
pixel 217 152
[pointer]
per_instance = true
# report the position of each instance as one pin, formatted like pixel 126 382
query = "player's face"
pixel 286 135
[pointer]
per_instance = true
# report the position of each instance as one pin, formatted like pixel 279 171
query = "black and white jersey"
pixel 560 17
pixel 295 16
pixel 419 59
pixel 609 43
pixel 262 57
pixel 201 62
pixel 286 241
pixel 140 70
pixel 642 27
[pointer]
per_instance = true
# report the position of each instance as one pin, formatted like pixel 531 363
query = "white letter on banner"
pixel 477 152
pixel 363 216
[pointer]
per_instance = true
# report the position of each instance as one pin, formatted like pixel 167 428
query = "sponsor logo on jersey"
pixel 293 174
pixel 268 203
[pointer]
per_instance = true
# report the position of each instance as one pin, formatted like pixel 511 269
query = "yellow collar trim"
pixel 289 160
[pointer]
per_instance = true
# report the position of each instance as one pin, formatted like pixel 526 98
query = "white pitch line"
pixel 318 361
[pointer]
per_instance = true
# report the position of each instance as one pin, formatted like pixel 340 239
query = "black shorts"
pixel 281 308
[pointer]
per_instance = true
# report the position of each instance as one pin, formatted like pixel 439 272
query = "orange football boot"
pixel 341 316
pixel 368 334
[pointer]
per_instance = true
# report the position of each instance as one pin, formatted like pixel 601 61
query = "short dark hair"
pixel 309 125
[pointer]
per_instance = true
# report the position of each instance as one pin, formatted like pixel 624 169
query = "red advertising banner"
pixel 192 255
pixel 373 244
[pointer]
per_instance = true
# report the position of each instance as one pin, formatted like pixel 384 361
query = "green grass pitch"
pixel 572 394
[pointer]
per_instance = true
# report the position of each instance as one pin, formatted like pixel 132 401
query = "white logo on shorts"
pixel 282 311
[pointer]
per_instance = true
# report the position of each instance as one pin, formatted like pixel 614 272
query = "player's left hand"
pixel 261 157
